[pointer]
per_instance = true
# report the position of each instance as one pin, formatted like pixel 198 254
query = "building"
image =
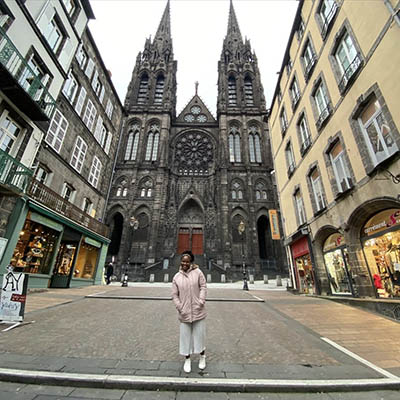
pixel 187 181
pixel 335 127
pixel 54 227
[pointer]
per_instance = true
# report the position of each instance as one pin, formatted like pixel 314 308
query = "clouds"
pixel 198 29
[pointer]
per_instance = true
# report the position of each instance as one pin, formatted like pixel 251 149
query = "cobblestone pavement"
pixel 14 391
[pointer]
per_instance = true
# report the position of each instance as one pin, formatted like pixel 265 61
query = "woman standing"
pixel 189 292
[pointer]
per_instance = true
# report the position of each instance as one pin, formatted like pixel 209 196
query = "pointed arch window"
pixel 146 188
pixel 248 91
pixel 237 191
pixel 234 145
pixel 132 143
pixel 261 192
pixel 159 92
pixel 254 145
pixel 143 89
pixel 232 94
pixel 153 140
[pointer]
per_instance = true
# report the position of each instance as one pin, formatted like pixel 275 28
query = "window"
pixel 51 27
pixel 261 192
pixel 254 145
pixel 80 101
pixel 146 188
pixel 90 114
pixel 232 94
pixel 327 12
pixel 283 121
pixel 95 171
pixel 132 143
pixel 100 132
pixel 159 92
pixel 290 159
pixel 340 169
pixel 143 89
pixel 347 59
pixel 108 142
pixel 57 131
pixel 89 68
pixel 309 59
pixel 248 91
pixel 9 135
pixel 81 57
pixel 279 96
pixel 69 6
pixel 294 93
pixel 87 206
pixel 33 76
pixel 377 132
pixel 70 87
pixel 237 191
pixel 289 66
pixel 109 109
pixel 300 30
pixel 79 153
pixel 119 191
pixel 234 145
pixel 316 184
pixel 42 174
pixel 300 211
pixel 96 84
pixel 68 192
pixel 124 192
pixel 322 104
pixel 304 134
pixel 152 143
pixel 6 17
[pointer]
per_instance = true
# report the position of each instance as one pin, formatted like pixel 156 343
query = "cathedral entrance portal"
pixel 190 228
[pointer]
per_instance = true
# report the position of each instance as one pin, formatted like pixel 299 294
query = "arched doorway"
pixel 117 226
pixel 191 228
pixel 265 245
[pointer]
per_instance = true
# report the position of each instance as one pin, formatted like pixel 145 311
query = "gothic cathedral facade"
pixel 187 181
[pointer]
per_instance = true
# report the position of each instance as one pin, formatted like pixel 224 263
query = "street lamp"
pixel 134 224
pixel 241 229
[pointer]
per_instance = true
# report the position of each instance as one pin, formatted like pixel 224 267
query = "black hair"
pixel 188 253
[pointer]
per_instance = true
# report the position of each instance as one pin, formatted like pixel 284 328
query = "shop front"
pixel 56 252
pixel 381 245
pixel 337 266
pixel 304 273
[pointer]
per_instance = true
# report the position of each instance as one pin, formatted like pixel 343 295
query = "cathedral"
pixel 193 181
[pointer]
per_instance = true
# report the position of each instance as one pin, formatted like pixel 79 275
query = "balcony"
pixel 305 146
pixel 54 201
pixel 349 73
pixel 21 84
pixel 14 176
pixel 309 66
pixel 327 20
pixel 324 116
pixel 295 99
pixel 291 169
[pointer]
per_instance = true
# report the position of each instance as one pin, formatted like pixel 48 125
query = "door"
pixel 183 240
pixel 197 241
pixel 190 239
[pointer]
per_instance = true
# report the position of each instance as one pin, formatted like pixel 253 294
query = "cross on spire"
pixel 196 84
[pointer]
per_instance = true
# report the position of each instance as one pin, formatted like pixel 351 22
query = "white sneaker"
pixel 202 362
pixel 187 367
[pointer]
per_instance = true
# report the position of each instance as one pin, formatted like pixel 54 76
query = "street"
pixel 260 341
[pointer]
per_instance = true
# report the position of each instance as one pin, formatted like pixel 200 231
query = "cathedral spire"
pixel 233 26
pixel 164 29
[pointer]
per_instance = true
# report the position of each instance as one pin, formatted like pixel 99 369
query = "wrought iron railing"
pixel 55 202
pixel 14 174
pixel 328 19
pixel 27 78
pixel 295 99
pixel 310 65
pixel 323 116
pixel 349 72
pixel 305 145
pixel 291 169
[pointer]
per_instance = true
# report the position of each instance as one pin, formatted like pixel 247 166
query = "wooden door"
pixel 183 240
pixel 197 241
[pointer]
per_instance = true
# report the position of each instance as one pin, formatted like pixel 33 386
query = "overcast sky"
pixel 198 30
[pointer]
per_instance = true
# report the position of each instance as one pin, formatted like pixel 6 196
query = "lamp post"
pixel 241 229
pixel 134 224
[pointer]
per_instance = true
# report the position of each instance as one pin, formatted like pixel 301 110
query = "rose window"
pixel 193 154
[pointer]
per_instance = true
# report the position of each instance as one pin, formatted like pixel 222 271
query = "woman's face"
pixel 185 263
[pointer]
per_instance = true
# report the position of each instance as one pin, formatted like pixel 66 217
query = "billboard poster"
pixel 274 224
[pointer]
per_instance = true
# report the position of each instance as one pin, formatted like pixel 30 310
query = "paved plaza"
pixel 115 340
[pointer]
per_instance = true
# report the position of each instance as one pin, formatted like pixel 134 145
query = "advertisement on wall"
pixel 274 224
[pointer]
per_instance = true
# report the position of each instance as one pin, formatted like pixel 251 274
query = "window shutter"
pixel 81 100
pixel 97 133
pixel 95 79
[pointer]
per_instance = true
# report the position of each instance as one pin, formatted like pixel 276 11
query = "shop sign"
pixel 92 242
pixel 13 296
pixel 45 221
pixel 335 240
pixel 381 221
pixel 274 223
pixel 300 247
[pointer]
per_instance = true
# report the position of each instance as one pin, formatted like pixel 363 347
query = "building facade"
pixel 55 230
pixel 187 181
pixel 335 128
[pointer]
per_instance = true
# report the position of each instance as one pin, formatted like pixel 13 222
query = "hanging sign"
pixel 274 223
pixel 13 296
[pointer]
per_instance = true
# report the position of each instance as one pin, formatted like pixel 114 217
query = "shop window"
pixel 86 262
pixel 376 132
pixel 336 263
pixel 254 145
pixel 35 248
pixel 234 145
pixel 70 87
pixel 291 165
pixel 381 244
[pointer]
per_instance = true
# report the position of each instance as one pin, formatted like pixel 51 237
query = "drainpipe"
pixel 389 6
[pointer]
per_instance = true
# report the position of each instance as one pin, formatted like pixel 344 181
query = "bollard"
pixel 166 278
pixel 223 278
pixel 209 278
pixel 251 279
pixel 151 278
pixel 265 278
pixel 278 280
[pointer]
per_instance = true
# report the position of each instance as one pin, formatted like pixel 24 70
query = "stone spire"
pixel 164 29
pixel 233 27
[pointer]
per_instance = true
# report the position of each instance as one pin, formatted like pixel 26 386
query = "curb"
pixel 128 382
pixel 222 299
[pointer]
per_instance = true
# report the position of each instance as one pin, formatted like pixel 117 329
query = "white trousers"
pixel 192 338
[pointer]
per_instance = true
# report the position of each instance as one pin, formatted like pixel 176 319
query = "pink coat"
pixel 189 291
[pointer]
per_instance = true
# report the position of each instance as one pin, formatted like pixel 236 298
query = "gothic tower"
pixel 186 181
